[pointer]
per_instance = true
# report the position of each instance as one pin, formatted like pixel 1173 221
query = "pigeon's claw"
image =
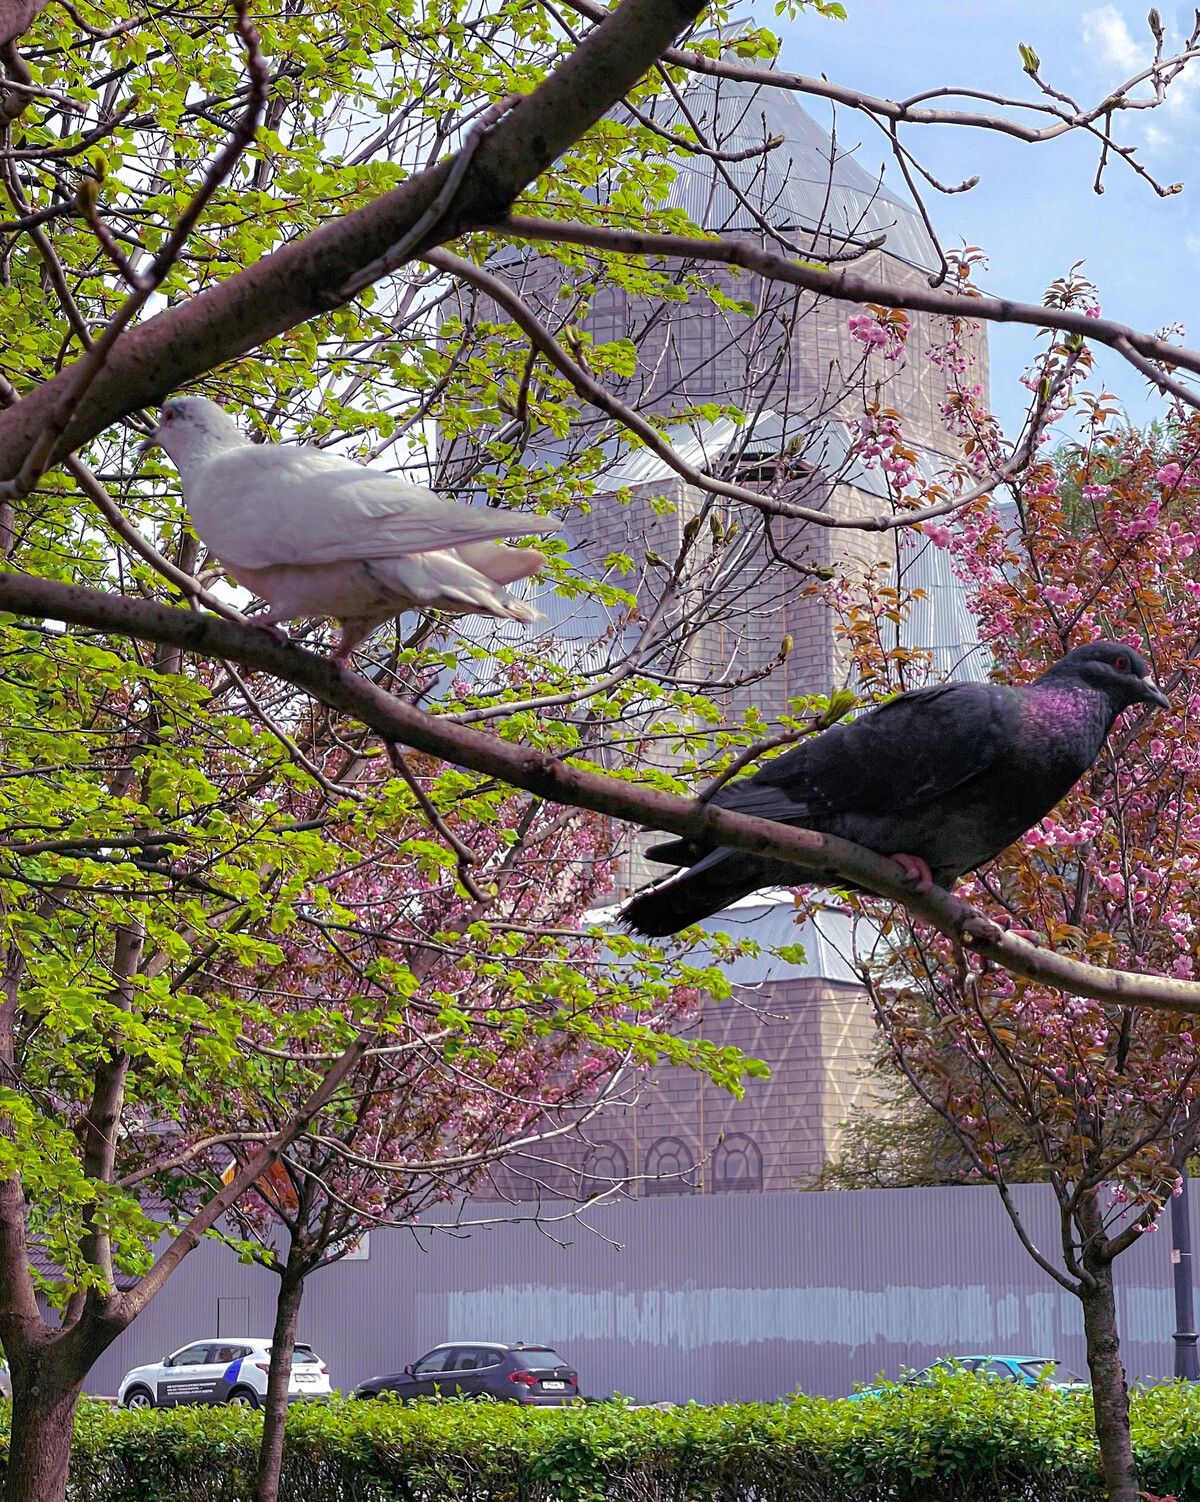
pixel 354 633
pixel 916 870
pixel 1029 934
pixel 271 629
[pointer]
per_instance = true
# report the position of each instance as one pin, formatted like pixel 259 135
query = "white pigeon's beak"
pixel 146 445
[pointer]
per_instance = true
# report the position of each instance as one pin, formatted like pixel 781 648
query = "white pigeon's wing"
pixel 269 504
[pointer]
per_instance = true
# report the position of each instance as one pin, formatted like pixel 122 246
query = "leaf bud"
pixel 86 194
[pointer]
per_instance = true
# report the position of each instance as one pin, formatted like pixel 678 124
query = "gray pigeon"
pixel 314 534
pixel 941 779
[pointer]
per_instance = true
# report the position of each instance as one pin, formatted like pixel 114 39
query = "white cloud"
pixel 1105 31
pixel 1111 47
pixel 1182 93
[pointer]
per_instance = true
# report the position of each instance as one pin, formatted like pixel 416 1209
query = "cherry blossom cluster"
pixel 880 329
pixel 1101 541
pixel 877 441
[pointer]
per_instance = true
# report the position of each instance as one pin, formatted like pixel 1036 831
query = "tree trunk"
pixel 43 1426
pixel 1110 1396
pixel 270 1453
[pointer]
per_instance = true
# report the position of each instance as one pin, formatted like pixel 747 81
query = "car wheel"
pixel 138 1397
pixel 243 1397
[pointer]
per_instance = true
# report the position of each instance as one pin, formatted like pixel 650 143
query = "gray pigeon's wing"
pixel 268 504
pixel 913 750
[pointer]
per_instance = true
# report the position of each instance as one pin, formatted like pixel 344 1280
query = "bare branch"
pixel 1064 111
pixel 752 753
pixel 130 534
pixel 180 1160
pixel 396 255
pixel 332 789
pixel 465 855
pixel 695 148
pixel 591 389
pixel 848 286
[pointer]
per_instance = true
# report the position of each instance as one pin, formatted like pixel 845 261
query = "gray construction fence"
pixel 710 1297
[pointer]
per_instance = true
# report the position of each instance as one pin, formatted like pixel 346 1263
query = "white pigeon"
pixel 313 534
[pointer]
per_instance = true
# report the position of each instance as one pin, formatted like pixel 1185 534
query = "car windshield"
pixel 301 1356
pixel 949 1364
pixel 538 1358
pixel 1049 1371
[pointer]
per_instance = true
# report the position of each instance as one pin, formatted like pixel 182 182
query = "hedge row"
pixel 964 1440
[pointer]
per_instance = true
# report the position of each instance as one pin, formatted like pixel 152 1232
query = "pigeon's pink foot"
pixel 271 629
pixel 916 871
pixel 354 633
pixel 1030 934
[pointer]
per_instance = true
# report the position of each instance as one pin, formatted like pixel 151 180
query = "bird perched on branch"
pixel 941 780
pixel 314 534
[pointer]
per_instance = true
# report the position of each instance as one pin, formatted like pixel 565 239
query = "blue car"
pixel 1028 1371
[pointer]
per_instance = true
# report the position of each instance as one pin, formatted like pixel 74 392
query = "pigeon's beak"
pixel 147 444
pixel 1152 694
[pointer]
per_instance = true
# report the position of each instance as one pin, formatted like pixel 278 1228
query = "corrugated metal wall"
pixel 711 1297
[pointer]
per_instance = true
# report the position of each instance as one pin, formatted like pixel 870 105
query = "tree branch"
pixel 849 286
pixel 1067 116
pixel 297 282
pixel 557 782
pixel 592 391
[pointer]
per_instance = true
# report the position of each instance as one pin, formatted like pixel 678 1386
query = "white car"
pixel 230 1370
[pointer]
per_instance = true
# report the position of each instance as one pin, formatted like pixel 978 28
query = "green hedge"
pixel 965 1440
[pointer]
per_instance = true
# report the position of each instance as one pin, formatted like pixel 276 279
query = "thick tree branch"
pixel 556 782
pixel 302 280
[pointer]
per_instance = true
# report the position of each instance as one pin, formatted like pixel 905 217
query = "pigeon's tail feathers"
pixel 714 883
pixel 445 581
pixel 675 853
pixel 521 610
pixel 500 564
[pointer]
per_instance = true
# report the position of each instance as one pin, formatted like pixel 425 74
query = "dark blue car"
pixel 534 1376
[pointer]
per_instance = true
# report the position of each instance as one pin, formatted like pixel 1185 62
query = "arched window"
pixel 669 1165
pixel 737 1164
pixel 605 1165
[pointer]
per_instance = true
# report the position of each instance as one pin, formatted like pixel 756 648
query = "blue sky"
pixel 1034 211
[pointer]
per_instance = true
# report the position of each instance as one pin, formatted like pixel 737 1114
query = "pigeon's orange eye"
pixel 1121 664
